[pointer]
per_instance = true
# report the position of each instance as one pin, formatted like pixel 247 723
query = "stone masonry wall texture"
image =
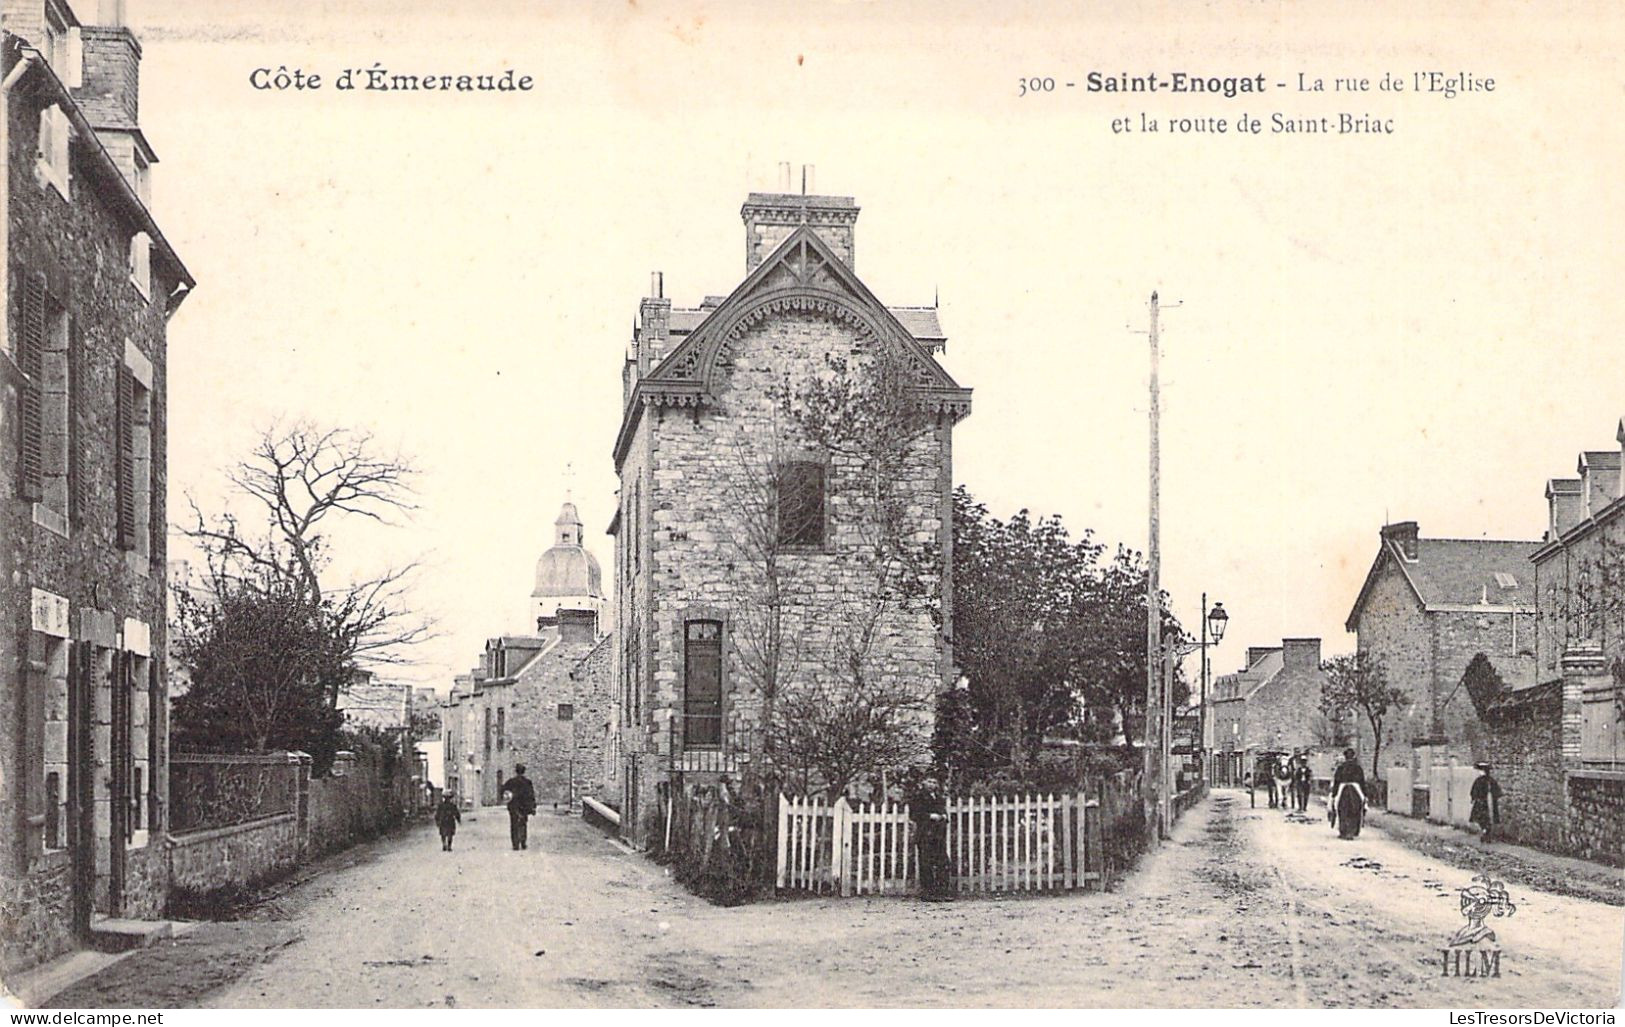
pixel 81 243
pixel 700 468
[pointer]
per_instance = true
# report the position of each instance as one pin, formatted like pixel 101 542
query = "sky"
pixel 1417 325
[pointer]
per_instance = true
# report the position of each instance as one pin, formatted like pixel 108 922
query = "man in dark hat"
pixel 521 804
pixel 1486 796
pixel 929 811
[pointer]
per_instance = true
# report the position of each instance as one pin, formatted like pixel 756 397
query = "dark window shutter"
pixel 156 525
pixel 78 491
pixel 35 683
pixel 156 732
pixel 31 355
pixel 125 417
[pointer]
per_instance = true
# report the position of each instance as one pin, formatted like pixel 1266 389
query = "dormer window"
pixel 142 182
pixel 141 263
pixel 63 49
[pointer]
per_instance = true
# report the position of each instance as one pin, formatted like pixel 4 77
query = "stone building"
pixel 90 286
pixel 1272 704
pixel 1427 607
pixel 545 699
pixel 1559 748
pixel 724 502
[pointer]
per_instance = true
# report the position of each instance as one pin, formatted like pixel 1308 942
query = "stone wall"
pixel 66 544
pixel 36 914
pixel 1522 740
pixel 708 473
pixel 1393 626
pixel 358 804
pixel 243 854
pixel 1597 817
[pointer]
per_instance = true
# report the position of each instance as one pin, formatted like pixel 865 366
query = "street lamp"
pixel 1213 626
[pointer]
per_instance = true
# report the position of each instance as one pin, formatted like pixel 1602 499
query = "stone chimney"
pixel 1566 502
pixel 1403 536
pixel 1258 652
pixel 770 218
pixel 578 626
pixel 110 96
pixel 1599 478
pixel 1300 653
pixel 654 325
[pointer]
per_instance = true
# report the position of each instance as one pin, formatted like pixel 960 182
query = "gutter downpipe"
pixel 16 73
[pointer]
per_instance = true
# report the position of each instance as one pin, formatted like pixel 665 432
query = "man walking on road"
pixel 1302 781
pixel 521 804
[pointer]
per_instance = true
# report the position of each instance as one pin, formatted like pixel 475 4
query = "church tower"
pixel 567 576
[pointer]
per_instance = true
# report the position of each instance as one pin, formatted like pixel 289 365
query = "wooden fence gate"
pixel 1020 843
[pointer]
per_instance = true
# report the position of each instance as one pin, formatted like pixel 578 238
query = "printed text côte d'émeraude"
pixel 380 79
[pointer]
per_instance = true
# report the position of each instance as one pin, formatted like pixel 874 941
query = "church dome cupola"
pixel 567 570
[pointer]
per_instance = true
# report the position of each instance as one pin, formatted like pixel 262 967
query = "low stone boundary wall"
pixel 307 817
pixel 240 855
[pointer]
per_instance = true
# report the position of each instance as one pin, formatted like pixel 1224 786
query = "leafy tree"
pixel 1358 683
pixel 1483 682
pixel 1049 639
pixel 261 659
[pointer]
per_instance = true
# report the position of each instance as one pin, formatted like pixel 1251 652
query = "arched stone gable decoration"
pixel 802 276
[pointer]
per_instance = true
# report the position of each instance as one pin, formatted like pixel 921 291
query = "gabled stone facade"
pixel 702 429
pixel 1428 606
pixel 90 287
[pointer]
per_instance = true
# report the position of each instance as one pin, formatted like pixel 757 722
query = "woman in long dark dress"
pixel 1348 796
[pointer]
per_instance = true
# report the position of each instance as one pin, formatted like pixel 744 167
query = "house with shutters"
pixel 90 285
pixel 733 525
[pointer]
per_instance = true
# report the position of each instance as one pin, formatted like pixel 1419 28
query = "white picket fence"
pixel 1021 843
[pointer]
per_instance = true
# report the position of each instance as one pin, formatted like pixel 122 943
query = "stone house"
pixel 90 286
pixel 545 699
pixel 1559 748
pixel 1271 704
pixel 716 475
pixel 1427 607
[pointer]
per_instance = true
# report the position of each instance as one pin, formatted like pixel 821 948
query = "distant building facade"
pixel 703 387
pixel 1427 607
pixel 1271 705
pixel 90 286
pixel 542 699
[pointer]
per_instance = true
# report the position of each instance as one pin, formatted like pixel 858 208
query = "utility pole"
pixel 1153 596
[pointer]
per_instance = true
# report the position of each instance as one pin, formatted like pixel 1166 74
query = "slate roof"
pixel 1452 571
pixel 1459 572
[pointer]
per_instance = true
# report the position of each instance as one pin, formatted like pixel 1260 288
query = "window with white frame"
pixel 141 263
pixel 55 138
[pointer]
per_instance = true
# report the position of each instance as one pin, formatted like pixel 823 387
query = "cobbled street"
pixel 1245 907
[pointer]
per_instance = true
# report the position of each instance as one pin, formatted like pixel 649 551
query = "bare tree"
pixel 847 433
pixel 304 479
pixel 1359 683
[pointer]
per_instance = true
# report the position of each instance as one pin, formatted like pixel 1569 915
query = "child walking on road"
pixel 446 817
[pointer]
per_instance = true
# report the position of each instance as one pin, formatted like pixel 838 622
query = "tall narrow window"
pixel 702 684
pixel 799 485
pixel 133 423
pixel 488 734
pixel 502 728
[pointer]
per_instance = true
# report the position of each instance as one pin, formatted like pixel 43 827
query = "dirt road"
pixel 1242 908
